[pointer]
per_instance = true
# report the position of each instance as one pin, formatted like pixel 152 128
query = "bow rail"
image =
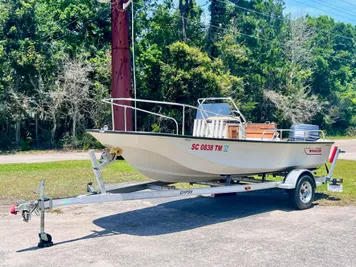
pixel 240 117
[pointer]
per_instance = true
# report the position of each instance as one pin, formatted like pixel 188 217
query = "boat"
pixel 221 149
pixel 222 144
pixel 222 152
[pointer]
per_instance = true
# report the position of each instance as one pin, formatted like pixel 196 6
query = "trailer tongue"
pixel 300 184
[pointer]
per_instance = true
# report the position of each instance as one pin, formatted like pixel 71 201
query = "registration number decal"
pixel 210 147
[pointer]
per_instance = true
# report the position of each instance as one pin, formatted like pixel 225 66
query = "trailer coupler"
pixel 26 208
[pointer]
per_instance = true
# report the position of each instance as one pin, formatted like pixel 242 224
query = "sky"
pixel 340 10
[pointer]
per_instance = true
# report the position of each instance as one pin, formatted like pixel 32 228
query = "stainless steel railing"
pixel 184 106
pixel 280 133
pixel 142 110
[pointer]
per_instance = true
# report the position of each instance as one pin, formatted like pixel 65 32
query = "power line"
pixel 251 36
pixel 247 9
pixel 334 7
pixel 338 15
pixel 274 17
pixel 214 26
pixel 348 3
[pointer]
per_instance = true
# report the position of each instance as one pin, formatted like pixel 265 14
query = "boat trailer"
pixel 300 184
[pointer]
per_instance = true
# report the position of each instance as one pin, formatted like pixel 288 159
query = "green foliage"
pixel 189 74
pixel 84 141
pixel 180 56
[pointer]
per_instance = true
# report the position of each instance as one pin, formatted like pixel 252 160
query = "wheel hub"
pixel 306 192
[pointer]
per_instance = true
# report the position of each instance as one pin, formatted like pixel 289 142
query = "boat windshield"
pixel 213 110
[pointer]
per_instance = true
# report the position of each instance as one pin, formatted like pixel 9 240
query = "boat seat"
pixel 216 127
pixel 256 130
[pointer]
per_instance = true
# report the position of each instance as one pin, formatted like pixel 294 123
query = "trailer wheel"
pixel 45 240
pixel 302 196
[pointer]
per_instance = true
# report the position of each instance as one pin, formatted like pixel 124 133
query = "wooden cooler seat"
pixel 256 130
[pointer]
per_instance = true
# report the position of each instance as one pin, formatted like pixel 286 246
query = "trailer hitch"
pixel 38 207
pixel 26 208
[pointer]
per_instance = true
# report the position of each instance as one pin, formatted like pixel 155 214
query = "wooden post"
pixel 121 69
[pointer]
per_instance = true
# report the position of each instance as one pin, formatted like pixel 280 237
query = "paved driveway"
pixel 243 230
pixel 45 157
pixel 349 146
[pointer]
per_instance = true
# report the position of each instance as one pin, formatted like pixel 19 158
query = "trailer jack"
pixel 38 207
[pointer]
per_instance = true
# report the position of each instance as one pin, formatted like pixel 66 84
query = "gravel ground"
pixel 257 229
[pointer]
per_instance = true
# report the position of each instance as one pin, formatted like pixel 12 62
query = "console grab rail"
pixel 280 132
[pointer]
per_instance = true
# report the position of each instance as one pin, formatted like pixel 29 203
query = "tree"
pixel 333 72
pixel 75 84
pixel 189 74
pixel 295 102
pixel 277 68
pixel 298 107
pixel 218 18
pixel 184 7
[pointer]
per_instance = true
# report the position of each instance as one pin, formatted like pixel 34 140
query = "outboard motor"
pixel 304 132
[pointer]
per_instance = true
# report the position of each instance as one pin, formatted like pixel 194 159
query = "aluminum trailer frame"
pixel 155 189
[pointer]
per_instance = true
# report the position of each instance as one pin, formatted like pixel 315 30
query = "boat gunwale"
pixel 208 138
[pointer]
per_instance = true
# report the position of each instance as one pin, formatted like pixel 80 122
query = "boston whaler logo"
pixel 313 151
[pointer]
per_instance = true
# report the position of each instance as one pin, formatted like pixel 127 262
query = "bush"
pixel 89 142
pixel 351 131
pixel 84 141
pixel 25 145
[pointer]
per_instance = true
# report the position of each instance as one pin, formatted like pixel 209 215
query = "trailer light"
pixel 333 154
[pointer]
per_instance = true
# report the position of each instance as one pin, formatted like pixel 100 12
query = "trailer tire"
pixel 302 196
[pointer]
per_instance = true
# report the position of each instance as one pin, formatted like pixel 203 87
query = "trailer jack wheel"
pixel 302 196
pixel 45 240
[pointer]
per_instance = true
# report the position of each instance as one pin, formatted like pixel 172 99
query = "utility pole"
pixel 120 65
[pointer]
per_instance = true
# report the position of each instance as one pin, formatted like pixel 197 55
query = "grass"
pixel 62 179
pixel 69 178
pixel 345 169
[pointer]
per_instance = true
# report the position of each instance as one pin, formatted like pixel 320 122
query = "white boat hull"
pixel 171 158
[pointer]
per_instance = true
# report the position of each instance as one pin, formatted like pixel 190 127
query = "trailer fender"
pixel 290 181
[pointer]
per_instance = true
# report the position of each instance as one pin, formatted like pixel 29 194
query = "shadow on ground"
pixel 321 196
pixel 188 213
